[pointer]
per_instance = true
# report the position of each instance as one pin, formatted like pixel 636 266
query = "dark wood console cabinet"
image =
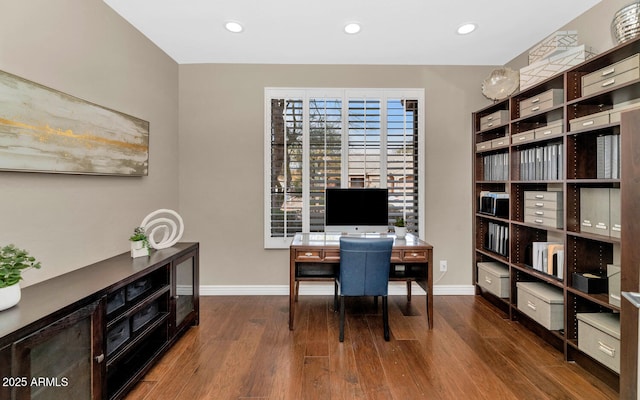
pixel 94 332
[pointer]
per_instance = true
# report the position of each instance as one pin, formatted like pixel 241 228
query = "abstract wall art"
pixel 44 130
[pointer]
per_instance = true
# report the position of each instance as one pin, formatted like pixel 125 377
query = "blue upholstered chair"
pixel 364 271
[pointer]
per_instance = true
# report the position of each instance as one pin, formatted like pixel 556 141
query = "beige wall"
pixel 83 48
pixel 221 153
pixel 593 26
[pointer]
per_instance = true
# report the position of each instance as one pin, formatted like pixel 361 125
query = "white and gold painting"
pixel 43 130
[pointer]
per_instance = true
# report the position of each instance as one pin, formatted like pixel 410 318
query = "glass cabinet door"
pixel 61 360
pixel 185 289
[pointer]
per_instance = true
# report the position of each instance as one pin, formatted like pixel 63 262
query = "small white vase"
pixel 401 231
pixel 9 296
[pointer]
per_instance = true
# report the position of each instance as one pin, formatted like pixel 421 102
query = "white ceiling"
pixel 411 32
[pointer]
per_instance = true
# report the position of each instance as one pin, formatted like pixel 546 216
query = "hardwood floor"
pixel 243 349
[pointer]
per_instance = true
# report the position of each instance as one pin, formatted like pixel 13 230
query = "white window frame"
pixel 345 94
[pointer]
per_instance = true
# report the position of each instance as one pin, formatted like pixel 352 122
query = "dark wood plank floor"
pixel 243 349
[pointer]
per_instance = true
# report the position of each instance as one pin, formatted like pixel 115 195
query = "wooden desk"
pixel 316 256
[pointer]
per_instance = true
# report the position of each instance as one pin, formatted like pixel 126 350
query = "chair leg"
pixel 409 290
pixel 385 317
pixel 375 302
pixel 297 290
pixel 335 296
pixel 342 318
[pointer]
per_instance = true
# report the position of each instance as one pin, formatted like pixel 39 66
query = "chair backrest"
pixel 364 266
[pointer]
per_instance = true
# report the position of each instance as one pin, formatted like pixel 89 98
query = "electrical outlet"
pixel 443 265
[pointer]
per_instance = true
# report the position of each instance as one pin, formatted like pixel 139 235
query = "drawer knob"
pixel 308 254
pixel 414 254
pixel 587 123
pixel 537 99
pixel 531 305
pixel 487 279
pixel 99 359
pixel 536 108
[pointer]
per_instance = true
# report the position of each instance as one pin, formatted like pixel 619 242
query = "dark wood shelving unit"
pixel 584 252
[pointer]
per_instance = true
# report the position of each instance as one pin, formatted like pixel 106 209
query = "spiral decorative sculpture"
pixel 166 222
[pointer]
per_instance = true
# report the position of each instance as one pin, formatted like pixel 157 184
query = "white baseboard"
pixel 326 288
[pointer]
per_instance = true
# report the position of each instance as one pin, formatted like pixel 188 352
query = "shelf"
pixel 154 324
pixel 594 237
pixel 602 299
pixel 128 312
pixel 539 275
pixel 492 255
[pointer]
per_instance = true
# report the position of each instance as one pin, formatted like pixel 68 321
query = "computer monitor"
pixel 356 210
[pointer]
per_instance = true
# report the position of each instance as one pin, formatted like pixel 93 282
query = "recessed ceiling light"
pixel 233 26
pixel 467 28
pixel 352 28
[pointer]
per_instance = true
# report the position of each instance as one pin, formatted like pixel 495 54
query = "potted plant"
pixel 400 228
pixel 13 261
pixel 139 243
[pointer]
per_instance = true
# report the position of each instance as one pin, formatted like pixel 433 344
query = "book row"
pixel 496 167
pixel 542 163
pixel 497 239
pixel 608 156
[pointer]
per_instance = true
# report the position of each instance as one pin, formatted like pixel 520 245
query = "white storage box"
pixel 589 121
pixel 543 303
pixel 494 278
pixel 493 120
pixel 612 76
pixel 599 337
pixel 558 42
pixel 613 275
pixel 552 129
pixel 548 67
pixel 541 102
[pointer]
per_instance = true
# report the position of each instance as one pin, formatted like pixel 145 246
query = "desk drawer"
pixel 308 255
pixel 332 255
pixel 414 255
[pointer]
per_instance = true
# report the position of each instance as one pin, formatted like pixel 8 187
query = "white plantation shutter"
pixel 325 155
pixel 365 141
pixel 319 138
pixel 402 161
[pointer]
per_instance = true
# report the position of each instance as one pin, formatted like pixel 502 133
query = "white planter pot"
pixel 9 296
pixel 138 249
pixel 401 231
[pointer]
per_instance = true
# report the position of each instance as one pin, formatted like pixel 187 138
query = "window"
pixel 319 138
